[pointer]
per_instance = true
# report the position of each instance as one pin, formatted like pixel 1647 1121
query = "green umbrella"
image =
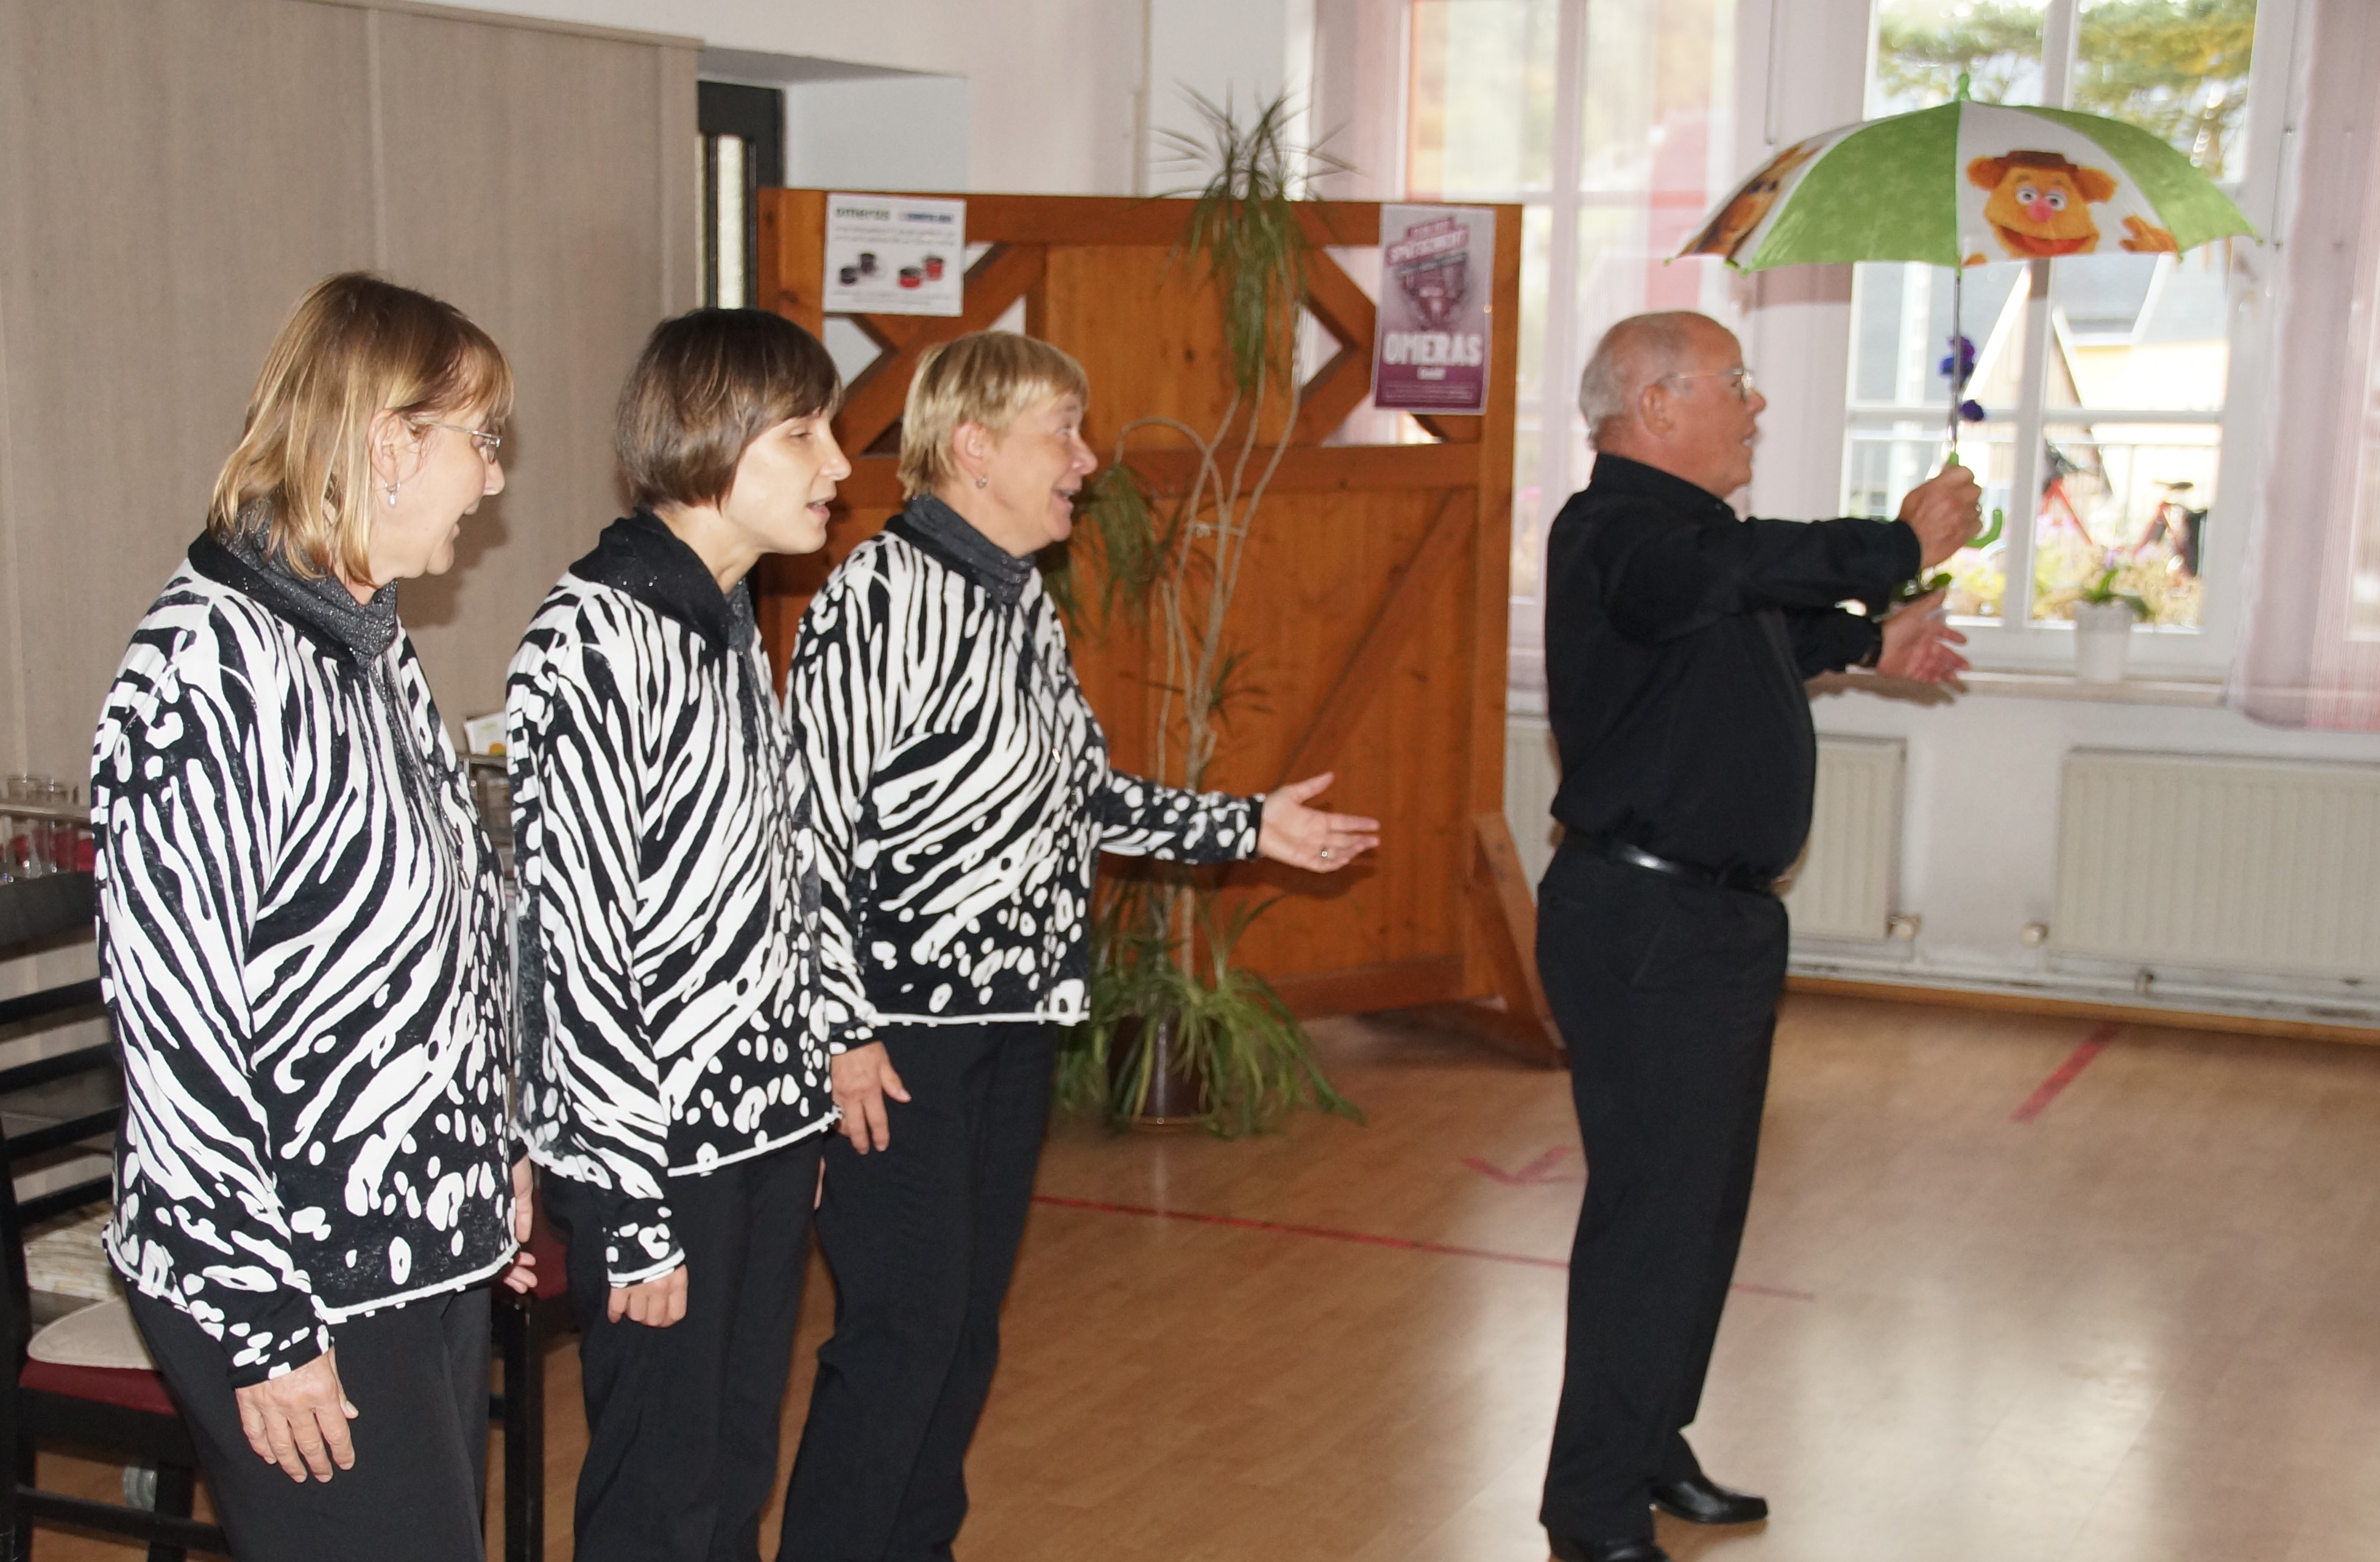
pixel 1965 184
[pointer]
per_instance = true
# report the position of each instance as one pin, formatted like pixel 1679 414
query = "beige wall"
pixel 174 172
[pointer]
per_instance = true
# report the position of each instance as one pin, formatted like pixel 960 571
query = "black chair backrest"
pixel 35 910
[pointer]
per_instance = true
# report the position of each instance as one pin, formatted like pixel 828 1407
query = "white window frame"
pixel 2013 642
pixel 1561 430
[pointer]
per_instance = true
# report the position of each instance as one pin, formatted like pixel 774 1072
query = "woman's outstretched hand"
pixel 1308 837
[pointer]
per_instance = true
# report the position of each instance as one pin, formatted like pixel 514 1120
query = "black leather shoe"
pixel 1698 1499
pixel 1631 1550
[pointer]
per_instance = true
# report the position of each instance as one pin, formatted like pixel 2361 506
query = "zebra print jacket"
pixel 301 942
pixel 962 787
pixel 668 888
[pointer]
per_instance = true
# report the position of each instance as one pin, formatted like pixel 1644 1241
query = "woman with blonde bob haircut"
pixel 302 941
pixel 962 795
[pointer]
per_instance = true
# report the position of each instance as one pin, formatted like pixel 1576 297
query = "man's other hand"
pixel 1918 644
pixel 1946 511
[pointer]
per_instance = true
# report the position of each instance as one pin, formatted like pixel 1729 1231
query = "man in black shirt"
pixel 1677 637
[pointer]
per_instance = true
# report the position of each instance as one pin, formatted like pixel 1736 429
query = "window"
pixel 743 133
pixel 2104 379
pixel 1611 122
pixel 2364 585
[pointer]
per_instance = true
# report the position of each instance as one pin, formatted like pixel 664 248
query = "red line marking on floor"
pixel 1537 1173
pixel 1366 1238
pixel 2066 1072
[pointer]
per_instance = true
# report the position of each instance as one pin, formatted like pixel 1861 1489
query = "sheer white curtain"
pixel 2312 656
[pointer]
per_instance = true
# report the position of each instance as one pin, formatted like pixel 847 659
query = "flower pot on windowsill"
pixel 2103 636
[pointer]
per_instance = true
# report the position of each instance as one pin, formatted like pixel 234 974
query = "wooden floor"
pixel 2006 1295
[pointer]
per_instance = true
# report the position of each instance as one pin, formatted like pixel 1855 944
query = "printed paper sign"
pixel 1429 349
pixel 895 255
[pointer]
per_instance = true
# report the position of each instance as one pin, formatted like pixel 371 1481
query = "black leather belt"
pixel 1748 881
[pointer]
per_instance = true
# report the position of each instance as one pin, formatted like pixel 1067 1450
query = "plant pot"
pixel 1174 1098
pixel 2103 633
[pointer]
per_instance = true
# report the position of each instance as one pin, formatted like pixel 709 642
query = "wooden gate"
pixel 1372 605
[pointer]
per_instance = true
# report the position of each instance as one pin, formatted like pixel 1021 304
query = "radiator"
pixel 1844 886
pixel 2234 865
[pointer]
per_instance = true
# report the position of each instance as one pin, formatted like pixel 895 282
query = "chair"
pixel 126 1411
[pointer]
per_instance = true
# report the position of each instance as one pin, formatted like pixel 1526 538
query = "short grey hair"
pixel 1633 355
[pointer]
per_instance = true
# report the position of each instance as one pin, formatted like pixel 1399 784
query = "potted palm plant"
pixel 1177 1030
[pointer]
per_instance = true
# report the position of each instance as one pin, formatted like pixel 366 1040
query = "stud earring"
pixel 983 482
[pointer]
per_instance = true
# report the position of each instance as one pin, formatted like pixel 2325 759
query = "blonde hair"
pixel 355 346
pixel 986 376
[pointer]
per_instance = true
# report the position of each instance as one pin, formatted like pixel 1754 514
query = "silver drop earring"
pixel 983 482
pixel 392 496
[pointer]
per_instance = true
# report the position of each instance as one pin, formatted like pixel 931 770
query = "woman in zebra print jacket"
pixel 962 792
pixel 674 1094
pixel 301 943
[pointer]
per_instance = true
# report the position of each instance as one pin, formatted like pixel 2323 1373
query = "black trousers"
pixel 682 1422
pixel 922 1237
pixel 418 1376
pixel 1666 993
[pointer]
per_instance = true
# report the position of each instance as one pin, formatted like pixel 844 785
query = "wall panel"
pixel 175 175
pixel 174 172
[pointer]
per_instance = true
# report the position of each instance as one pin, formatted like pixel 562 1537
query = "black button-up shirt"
pixel 1677 640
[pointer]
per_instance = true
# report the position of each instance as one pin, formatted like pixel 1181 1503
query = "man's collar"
pixel 1617 475
pixel 640 555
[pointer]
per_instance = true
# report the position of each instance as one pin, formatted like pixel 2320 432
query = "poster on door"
pixel 1429 348
pixel 895 255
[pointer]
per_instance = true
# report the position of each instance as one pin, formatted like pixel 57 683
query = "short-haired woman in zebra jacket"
pixel 962 792
pixel 674 1095
pixel 301 938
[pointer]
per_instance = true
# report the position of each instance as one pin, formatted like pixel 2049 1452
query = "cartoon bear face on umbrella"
pixel 2040 207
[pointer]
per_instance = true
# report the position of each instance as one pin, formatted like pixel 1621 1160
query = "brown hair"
pixel 986 376
pixel 355 346
pixel 708 384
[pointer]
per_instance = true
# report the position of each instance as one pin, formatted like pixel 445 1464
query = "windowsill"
pixel 2200 693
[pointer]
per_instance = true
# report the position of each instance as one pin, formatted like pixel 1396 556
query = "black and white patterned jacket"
pixel 962 787
pixel 668 885
pixel 301 943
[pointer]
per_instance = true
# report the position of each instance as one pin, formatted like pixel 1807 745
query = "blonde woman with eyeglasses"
pixel 303 942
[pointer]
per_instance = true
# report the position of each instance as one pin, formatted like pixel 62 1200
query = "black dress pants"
pixel 418 1376
pixel 1666 993
pixel 682 1422
pixel 921 1237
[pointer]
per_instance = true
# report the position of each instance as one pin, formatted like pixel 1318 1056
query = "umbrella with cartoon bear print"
pixel 1963 184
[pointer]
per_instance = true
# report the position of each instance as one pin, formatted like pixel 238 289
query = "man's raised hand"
pixel 1946 511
